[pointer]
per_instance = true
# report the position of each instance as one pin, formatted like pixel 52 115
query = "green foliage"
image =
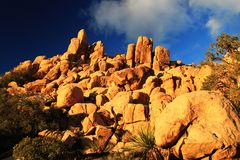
pixel 21 115
pixel 224 43
pixel 39 148
pixel 144 147
pixel 20 77
pixel 226 75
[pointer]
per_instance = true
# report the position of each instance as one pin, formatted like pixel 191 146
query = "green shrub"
pixel 224 44
pixel 20 77
pixel 226 73
pixel 21 116
pixel 40 149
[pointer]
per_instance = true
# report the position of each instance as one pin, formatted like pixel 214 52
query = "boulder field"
pixel 141 89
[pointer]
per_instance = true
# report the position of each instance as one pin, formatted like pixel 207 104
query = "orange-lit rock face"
pixel 130 56
pixel 142 88
pixel 143 52
pixel 161 58
pixel 69 95
pixel 211 123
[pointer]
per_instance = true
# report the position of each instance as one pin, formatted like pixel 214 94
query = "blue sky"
pixel 186 27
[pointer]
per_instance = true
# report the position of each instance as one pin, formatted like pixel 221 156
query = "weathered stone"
pixel 15 89
pixel 135 128
pixel 134 77
pixel 36 86
pixel 130 55
pixel 68 95
pixel 101 100
pixel 119 102
pixel 74 46
pixel 105 116
pixel 186 86
pixel 83 84
pixel 97 52
pixel 151 83
pixel 103 134
pixel 39 59
pixel 95 91
pixel 57 135
pixel 158 101
pixel 82 108
pixel 53 74
pixel 24 66
pixel 77 49
pixel 44 67
pixel 64 66
pixel 161 58
pixel 143 52
pixel 134 113
pixel 97 119
pixel 103 65
pixel 204 72
pixel 112 91
pixel 168 84
pixel 87 124
pixel 139 97
pixel 199 123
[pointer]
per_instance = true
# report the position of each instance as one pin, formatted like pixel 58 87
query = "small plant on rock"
pixel 144 146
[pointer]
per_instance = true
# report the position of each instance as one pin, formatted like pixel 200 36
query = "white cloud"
pixel 156 18
pixel 222 13
pixel 162 19
pixel 217 6
pixel 214 25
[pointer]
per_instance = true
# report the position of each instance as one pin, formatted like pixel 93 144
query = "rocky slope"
pixel 110 98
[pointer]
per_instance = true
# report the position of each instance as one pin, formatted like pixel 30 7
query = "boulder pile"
pixel 137 90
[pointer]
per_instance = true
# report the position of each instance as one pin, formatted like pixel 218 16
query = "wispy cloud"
pixel 221 14
pixel 161 19
pixel 156 18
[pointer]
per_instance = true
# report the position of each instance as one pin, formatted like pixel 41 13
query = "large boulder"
pixel 130 55
pixel 79 45
pixel 68 95
pixel 36 86
pixel 82 108
pixel 202 75
pixel 135 113
pixel 13 88
pixel 97 52
pixel 198 124
pixel 131 78
pixel 143 52
pixel 161 58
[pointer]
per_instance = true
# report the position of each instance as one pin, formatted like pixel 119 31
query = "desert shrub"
pixel 144 146
pixel 225 44
pixel 20 77
pixel 21 115
pixel 224 58
pixel 40 148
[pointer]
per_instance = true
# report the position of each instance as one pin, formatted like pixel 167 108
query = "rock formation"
pixel 198 124
pixel 138 88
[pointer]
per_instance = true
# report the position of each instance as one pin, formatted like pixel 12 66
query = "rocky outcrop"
pixel 97 52
pixel 82 108
pixel 143 52
pixel 78 47
pixel 110 98
pixel 198 124
pixel 131 79
pixel 161 58
pixel 69 95
pixel 130 56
